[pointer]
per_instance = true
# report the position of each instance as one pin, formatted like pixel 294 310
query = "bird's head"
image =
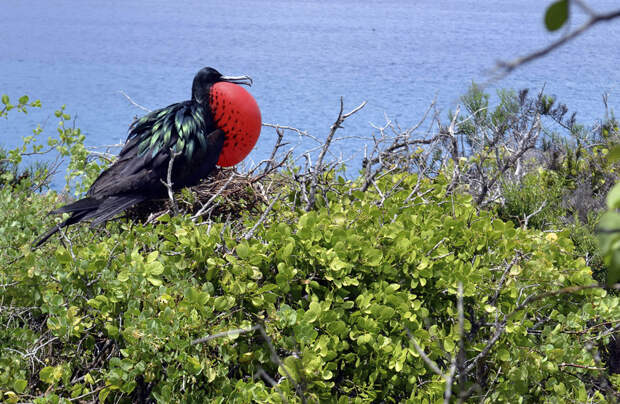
pixel 207 77
pixel 234 111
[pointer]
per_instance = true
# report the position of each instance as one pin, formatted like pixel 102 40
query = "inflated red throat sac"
pixel 235 112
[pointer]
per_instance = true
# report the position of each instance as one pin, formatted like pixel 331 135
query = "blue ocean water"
pixel 303 56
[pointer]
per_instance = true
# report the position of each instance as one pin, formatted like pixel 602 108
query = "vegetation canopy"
pixel 457 266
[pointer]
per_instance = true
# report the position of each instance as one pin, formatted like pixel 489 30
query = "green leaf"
pixel 613 197
pixel 20 385
pixel 154 268
pixel 287 314
pixel 614 154
pixel 103 394
pixel 613 272
pixel 608 231
pixel 373 256
pixel 313 313
pixel 290 367
pixel 243 250
pixel 51 374
pixel 364 339
pixel 5 99
pixel 128 387
pixel 152 256
pixel 556 15
pixel 503 355
pixel 154 281
pixel 287 250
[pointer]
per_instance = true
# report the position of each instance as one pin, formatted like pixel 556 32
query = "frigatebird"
pixel 218 126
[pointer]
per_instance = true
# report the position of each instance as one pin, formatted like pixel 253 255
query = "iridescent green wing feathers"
pixel 180 126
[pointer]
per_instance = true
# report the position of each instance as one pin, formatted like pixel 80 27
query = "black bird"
pixel 218 126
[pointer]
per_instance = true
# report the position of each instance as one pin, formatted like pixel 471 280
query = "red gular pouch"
pixel 235 112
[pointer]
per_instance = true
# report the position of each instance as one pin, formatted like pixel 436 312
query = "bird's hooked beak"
pixel 245 80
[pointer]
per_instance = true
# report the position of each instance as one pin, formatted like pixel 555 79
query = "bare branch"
pixel 207 205
pixel 574 365
pixel 500 285
pixel 454 361
pixel 133 102
pixel 237 331
pixel 168 183
pixel 527 218
pixel 318 167
pixel 248 235
pixel 431 364
pixel 261 373
pixel 500 326
pixel 274 355
pixel 505 68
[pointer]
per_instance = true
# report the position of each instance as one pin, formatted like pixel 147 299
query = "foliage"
pixel 529 159
pixel 344 293
pixel 609 230
pixel 535 201
pixel 83 167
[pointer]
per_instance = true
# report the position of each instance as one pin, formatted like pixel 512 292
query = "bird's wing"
pixel 183 126
pixel 185 129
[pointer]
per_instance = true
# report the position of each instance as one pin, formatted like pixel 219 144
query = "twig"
pixel 169 184
pixel 248 235
pixel 527 218
pixel 574 365
pixel 440 242
pixel 204 208
pixel 225 334
pixel 318 167
pixel 500 285
pixel 90 393
pixel 453 363
pixel 260 372
pixel 276 126
pixel 274 355
pixel 501 325
pixel 507 67
pixel 133 102
pixel 431 364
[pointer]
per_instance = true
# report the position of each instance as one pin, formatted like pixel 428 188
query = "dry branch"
pixel 168 183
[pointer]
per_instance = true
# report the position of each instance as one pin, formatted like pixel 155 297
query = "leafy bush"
pixel 529 159
pixel 535 201
pixel 399 293
pixel 335 289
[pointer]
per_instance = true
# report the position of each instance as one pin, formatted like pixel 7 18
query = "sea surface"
pixel 303 56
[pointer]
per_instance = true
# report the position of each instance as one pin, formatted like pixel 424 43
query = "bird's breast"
pixel 236 113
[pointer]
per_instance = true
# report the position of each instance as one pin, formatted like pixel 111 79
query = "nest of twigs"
pixel 225 194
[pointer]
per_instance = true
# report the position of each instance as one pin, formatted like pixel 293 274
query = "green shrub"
pixel 535 201
pixel 339 304
pixel 336 290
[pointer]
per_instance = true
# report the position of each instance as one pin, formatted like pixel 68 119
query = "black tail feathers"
pixel 99 210
pixel 75 218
